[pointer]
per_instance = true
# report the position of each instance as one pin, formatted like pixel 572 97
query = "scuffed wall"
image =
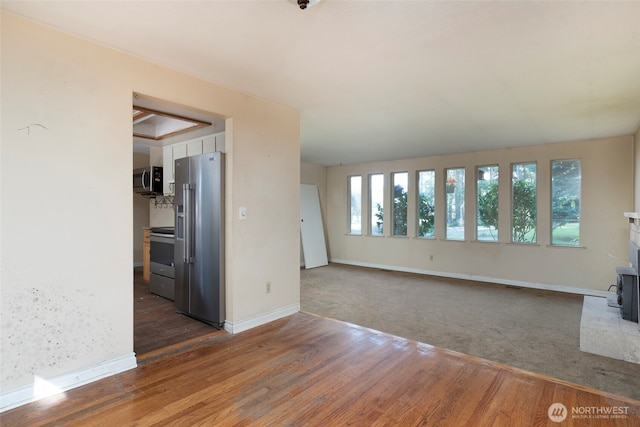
pixel 67 214
pixel 56 313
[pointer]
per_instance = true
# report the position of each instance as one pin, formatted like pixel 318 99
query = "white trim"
pixel 261 319
pixel 518 283
pixel 31 392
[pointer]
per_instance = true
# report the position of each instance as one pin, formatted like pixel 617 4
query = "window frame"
pixel 392 183
pixel 350 205
pixel 433 200
pixel 551 204
pixel 477 220
pixel 511 207
pixel 370 207
pixel 446 186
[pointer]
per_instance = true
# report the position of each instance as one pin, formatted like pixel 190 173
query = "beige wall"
pixel 635 227
pixel 607 192
pixel 316 174
pixel 66 282
pixel 636 155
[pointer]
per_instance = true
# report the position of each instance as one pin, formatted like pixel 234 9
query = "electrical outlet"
pixel 268 287
pixel 430 257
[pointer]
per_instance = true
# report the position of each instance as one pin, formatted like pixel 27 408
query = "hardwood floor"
pixel 312 371
pixel 156 323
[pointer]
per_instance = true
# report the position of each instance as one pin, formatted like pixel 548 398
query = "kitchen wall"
pixel 140 211
pixel 607 192
pixel 66 282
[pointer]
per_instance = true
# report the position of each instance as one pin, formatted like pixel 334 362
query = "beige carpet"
pixel 535 330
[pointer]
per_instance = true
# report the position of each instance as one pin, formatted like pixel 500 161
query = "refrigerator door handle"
pixel 186 202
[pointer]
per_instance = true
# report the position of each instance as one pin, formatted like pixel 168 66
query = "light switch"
pixel 243 213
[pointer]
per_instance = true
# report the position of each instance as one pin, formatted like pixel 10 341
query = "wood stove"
pixel 628 284
pixel 627 292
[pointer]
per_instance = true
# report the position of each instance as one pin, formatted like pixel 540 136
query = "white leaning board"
pixel 311 230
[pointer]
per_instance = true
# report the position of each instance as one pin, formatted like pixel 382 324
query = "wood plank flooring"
pixel 156 323
pixel 312 371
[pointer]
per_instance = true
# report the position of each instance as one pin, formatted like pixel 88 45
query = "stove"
pixel 169 231
pixel 161 262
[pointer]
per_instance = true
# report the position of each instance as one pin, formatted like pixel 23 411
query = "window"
pixel 426 203
pixel 376 204
pixel 565 202
pixel 355 204
pixel 523 203
pixel 487 204
pixel 400 184
pixel 454 186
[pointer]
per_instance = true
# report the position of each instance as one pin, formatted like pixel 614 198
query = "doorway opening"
pixel 163 132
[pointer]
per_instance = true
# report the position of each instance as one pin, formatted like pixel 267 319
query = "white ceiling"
pixel 380 80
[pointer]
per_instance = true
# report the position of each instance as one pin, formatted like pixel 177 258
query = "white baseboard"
pixel 518 283
pixel 252 322
pixel 47 387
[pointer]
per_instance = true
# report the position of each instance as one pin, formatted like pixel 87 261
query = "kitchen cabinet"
pixel 169 154
pixel 209 144
pixel 194 147
pixel 167 170
pixel 179 150
pixel 206 144
pixel 220 142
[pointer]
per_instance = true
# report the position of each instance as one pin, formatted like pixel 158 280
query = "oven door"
pixel 161 265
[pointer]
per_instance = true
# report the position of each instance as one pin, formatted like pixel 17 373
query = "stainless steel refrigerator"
pixel 199 238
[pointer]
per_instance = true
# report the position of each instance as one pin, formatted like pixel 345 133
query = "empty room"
pixel 342 213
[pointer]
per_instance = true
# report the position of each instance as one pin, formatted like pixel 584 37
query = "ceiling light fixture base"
pixel 304 4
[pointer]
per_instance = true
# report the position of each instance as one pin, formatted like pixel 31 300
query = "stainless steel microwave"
pixel 148 181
